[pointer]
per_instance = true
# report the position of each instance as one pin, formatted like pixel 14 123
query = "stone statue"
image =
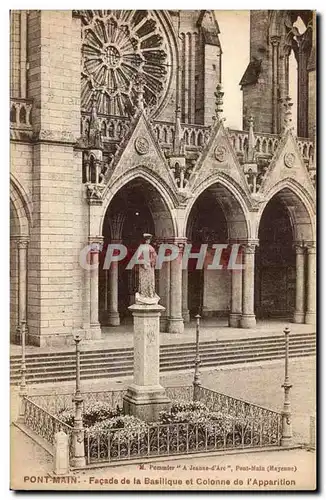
pixel 146 284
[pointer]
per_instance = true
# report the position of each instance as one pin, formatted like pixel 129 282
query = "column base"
pixel 175 325
pixel 164 321
pixel 186 316
pixel 113 319
pixel 146 402
pixel 234 320
pixel 94 332
pixel 248 321
pixel 298 317
pixel 310 318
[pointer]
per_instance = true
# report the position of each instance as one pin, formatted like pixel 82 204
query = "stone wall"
pixel 55 279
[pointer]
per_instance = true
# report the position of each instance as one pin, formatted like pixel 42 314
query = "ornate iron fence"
pixel 54 403
pixel 179 439
pixel 43 423
pixel 242 409
pixel 180 393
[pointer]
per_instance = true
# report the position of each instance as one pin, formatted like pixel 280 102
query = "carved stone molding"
pixel 22 242
pixel 289 159
pixel 249 247
pixel 96 243
pixel 142 145
pixel 299 247
pixel 311 247
pixel 220 153
pixel 94 193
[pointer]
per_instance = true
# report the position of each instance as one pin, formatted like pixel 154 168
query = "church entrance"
pixel 275 263
pixel 216 218
pixel 136 209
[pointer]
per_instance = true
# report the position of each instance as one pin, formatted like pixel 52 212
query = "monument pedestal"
pixel 145 397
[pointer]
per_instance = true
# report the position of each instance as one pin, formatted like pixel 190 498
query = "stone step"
pixel 102 357
pixel 102 372
pixel 173 347
pixel 167 348
pixel 119 368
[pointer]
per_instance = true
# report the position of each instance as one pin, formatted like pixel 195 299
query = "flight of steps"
pixel 60 366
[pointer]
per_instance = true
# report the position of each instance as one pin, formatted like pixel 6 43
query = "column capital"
pixel 96 243
pixel 299 247
pixel 249 246
pixel 311 247
pixel 22 242
pixel 275 40
pixel 179 241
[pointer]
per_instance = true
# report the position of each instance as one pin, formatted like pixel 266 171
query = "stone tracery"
pixel 118 47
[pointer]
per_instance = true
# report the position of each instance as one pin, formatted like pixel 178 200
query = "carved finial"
pixel 139 88
pixel 178 143
pixel 287 117
pixel 251 141
pixel 94 132
pixel 218 101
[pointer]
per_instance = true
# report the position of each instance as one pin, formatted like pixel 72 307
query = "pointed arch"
pixel 232 202
pixel 22 207
pixel 300 205
pixel 167 199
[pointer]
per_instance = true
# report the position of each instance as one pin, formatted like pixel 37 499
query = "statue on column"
pixel 146 282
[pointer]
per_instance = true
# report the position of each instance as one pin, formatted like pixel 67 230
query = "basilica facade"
pixel 117 129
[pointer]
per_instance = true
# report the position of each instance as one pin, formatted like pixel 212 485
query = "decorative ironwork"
pixel 269 420
pixel 156 440
pixel 117 46
pixel 182 394
pixel 238 424
pixel 54 403
pixel 43 423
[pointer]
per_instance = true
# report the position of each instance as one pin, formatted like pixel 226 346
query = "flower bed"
pixel 188 427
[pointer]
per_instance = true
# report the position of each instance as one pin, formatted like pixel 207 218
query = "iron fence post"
pixel 78 459
pixel 286 439
pixel 196 382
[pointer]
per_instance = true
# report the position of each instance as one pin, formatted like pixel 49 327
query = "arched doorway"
pixel 285 260
pixel 216 218
pixel 135 209
pixel 275 263
pixel 19 239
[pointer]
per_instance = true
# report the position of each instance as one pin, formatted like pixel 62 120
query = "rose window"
pixel 117 48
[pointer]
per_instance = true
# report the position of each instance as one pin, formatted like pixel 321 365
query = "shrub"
pixel 125 428
pixel 92 413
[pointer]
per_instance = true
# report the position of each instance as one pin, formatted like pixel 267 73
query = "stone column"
pixel 248 318
pixel 145 397
pixel 185 310
pixel 164 293
pixel 116 225
pixel 310 318
pixel 299 314
pixel 176 320
pixel 236 298
pixel 95 328
pixel 22 245
pixel 113 295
